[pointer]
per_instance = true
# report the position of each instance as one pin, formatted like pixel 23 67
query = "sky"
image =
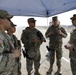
pixel 64 19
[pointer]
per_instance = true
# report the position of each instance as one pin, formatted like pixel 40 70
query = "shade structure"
pixel 37 8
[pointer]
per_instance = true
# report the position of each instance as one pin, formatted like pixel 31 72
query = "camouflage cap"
pixel 5 14
pixel 31 20
pixel 74 17
pixel 55 18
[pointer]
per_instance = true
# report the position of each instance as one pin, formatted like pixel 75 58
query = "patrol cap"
pixel 12 24
pixel 55 18
pixel 74 17
pixel 5 14
pixel 31 20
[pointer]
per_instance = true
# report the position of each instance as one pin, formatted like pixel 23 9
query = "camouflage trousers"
pixel 19 66
pixel 58 53
pixel 14 70
pixel 35 61
pixel 17 69
pixel 5 73
pixel 73 66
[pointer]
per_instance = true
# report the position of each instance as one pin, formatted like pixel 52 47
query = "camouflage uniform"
pixel 73 53
pixel 72 41
pixel 7 60
pixel 33 49
pixel 17 67
pixel 55 43
pixel 7 57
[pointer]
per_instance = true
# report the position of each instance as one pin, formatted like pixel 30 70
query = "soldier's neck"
pixel 31 27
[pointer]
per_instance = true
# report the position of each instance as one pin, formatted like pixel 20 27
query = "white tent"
pixel 38 8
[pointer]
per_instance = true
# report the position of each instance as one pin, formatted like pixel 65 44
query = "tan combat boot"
pixel 59 71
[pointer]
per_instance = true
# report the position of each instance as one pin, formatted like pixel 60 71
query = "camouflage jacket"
pixel 56 38
pixel 28 35
pixel 7 60
pixel 73 41
pixel 15 41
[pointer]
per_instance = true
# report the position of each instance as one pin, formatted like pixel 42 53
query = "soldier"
pixel 55 33
pixel 72 46
pixel 7 56
pixel 17 45
pixel 32 38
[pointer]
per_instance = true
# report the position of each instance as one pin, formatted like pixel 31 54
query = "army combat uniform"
pixel 55 44
pixel 72 47
pixel 7 60
pixel 16 44
pixel 73 53
pixel 33 49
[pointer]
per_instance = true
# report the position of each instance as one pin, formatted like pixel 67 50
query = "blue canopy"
pixel 38 8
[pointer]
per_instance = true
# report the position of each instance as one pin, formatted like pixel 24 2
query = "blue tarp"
pixel 38 8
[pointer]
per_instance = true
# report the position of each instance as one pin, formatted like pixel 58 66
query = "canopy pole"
pixel 47 22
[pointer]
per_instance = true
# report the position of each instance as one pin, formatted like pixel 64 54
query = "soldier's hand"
pixel 17 53
pixel 59 32
pixel 66 46
pixel 69 46
pixel 51 33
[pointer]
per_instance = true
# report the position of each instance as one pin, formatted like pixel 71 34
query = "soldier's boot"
pixel 37 73
pixel 29 73
pixel 59 71
pixel 50 70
